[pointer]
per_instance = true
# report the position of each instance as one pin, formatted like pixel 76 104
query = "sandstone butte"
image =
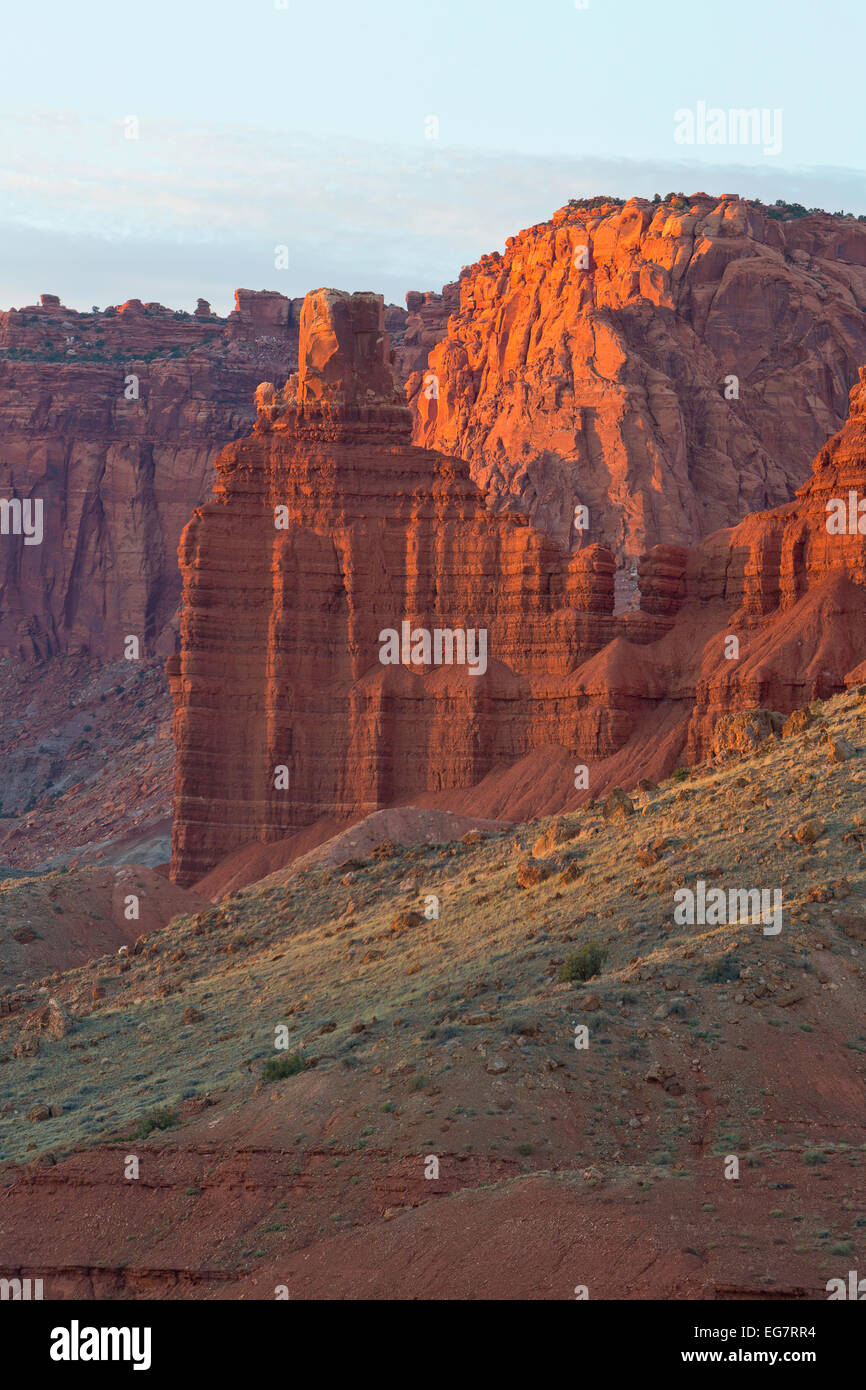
pixel 279 665
pixel 588 365
pixel 279 662
pixel 118 477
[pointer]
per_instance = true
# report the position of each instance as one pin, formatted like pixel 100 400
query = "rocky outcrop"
pixel 763 617
pixel 671 367
pixel 334 550
pixel 111 420
pixel 425 325
pixel 329 530
pixel 794 582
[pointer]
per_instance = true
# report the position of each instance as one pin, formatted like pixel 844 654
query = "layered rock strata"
pixel 109 424
pixel 299 694
pixel 327 530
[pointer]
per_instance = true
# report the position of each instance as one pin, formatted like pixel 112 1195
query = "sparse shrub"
pixel 584 963
pixel 157 1119
pixel 814 1156
pixel 721 971
pixel 241 942
pixel 785 212
pixel 598 202
pixel 679 774
pixel 278 1068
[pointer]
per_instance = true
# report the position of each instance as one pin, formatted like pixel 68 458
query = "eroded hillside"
pixel 409 1036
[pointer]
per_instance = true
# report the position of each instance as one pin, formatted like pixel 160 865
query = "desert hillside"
pixel 409 1036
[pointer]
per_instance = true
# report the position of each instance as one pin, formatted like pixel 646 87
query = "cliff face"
pixel 329 532
pixel 329 529
pixel 587 367
pixel 426 324
pixel 112 420
pixel 794 580
pixel 670 367
pixel 769 614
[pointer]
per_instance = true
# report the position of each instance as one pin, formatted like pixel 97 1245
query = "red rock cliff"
pixel 594 363
pixel 327 529
pixel 794 582
pixel 113 420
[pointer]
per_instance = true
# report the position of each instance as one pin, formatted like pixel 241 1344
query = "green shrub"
pixel 785 212
pixel 583 964
pixel 598 202
pixel 278 1068
pixel 157 1119
pixel 721 971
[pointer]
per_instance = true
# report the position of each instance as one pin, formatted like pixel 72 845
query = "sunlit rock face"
pixel 329 528
pixel 334 552
pixel 671 367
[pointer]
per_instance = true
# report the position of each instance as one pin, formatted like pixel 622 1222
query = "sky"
pixel 171 150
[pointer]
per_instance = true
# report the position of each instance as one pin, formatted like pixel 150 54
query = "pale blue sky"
pixel 308 126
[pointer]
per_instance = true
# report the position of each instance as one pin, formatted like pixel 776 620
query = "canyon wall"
pixel 671 366
pixel 112 419
pixel 328 528
pixel 794 580
pixel 557 384
pixel 586 366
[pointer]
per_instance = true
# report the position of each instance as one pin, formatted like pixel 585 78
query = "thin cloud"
pixel 188 210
